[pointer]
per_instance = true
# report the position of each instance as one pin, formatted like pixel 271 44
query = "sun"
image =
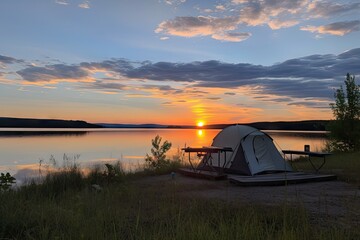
pixel 200 124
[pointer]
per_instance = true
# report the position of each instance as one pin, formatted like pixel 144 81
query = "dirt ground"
pixel 331 200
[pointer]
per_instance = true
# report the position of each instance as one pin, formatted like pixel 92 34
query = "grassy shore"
pixel 345 165
pixel 68 206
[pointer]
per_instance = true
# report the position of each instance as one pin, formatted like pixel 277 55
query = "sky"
pixel 176 61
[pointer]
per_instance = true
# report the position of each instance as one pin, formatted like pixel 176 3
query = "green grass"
pixel 66 206
pixel 345 165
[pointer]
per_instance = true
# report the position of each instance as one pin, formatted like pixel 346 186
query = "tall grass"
pixel 65 206
pixel 125 211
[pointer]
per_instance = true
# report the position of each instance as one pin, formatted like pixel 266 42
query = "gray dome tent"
pixel 253 152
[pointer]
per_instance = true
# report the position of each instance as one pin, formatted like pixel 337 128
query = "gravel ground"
pixel 334 201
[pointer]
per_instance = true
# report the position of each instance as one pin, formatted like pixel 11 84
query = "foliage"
pixel 158 159
pixel 113 173
pixel 6 180
pixel 345 129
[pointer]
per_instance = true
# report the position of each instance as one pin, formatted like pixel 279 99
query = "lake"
pixel 22 150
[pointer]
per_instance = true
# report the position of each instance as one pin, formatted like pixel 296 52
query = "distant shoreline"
pixel 71 125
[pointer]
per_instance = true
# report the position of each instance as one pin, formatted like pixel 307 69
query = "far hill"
pixel 6 122
pixel 307 125
pixel 118 125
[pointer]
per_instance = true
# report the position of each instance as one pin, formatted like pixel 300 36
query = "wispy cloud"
pixel 231 36
pixel 217 28
pixel 9 60
pixel 85 4
pixel 337 28
pixel 326 9
pixel 61 2
pixel 174 2
pixel 52 72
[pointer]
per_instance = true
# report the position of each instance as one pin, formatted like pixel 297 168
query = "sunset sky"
pixel 175 61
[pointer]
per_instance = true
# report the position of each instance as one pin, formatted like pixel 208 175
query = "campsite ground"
pixel 153 205
pixel 326 202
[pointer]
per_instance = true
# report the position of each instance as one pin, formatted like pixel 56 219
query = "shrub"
pixel 6 180
pixel 158 159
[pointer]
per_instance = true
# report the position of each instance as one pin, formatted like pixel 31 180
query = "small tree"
pixel 6 181
pixel 345 129
pixel 158 151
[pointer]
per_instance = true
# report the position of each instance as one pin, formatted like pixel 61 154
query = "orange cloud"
pixel 338 28
pixel 217 28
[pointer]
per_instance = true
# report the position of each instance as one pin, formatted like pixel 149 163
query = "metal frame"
pixel 309 154
pixel 206 152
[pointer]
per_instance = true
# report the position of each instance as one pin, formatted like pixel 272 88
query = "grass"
pixel 137 210
pixel 345 165
pixel 66 206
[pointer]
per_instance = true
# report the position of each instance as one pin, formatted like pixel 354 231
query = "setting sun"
pixel 200 124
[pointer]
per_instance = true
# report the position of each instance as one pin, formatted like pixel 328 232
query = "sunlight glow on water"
pixel 22 153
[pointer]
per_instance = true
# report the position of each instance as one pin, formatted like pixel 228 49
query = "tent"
pixel 253 152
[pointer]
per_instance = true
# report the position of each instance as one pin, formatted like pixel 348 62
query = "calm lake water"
pixel 21 154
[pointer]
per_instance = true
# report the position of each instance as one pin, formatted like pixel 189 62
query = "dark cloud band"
pixel 310 76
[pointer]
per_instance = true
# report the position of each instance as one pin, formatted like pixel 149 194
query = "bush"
pixel 158 159
pixel 112 173
pixel 6 180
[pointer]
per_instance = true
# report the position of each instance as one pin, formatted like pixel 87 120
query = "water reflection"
pixel 295 140
pixel 41 133
pixel 22 154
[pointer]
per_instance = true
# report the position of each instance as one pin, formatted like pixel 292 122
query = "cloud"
pixel 85 4
pixel 8 60
pixel 231 16
pixel 310 104
pixel 61 2
pixel 199 26
pixel 104 85
pixel 337 28
pixel 281 99
pixel 255 13
pixel 213 98
pixel 220 8
pixel 277 23
pixel 52 72
pixel 231 36
pixel 321 9
pixel 315 75
pixel 174 2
